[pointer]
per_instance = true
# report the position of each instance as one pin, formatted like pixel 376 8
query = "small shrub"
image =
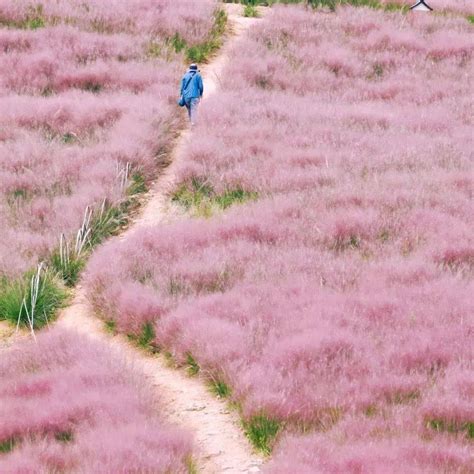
pixel 234 196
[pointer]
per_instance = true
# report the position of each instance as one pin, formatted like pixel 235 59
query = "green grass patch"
pixel 262 432
pixel 7 445
pixel 192 367
pixel 138 184
pixel 220 388
pixel 93 87
pixel 198 53
pixel 107 221
pixel 64 436
pixel 68 138
pixel 201 198
pixel 111 326
pixel 32 21
pixel 68 270
pixel 177 43
pixel 201 52
pixel 191 466
pixel 452 426
pixel 18 197
pixel 17 301
pixel 250 11
pixel 470 18
pixel 145 338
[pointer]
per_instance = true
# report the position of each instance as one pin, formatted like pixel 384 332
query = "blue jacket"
pixel 195 87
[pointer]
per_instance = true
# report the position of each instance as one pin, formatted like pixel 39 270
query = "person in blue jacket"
pixel 192 89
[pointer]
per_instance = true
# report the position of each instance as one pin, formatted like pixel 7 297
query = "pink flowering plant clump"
pixel 329 289
pixel 67 404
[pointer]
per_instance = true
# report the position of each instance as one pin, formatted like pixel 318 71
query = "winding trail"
pixel 186 401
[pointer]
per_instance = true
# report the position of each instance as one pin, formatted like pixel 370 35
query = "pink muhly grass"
pixel 83 409
pixel 82 98
pixel 340 299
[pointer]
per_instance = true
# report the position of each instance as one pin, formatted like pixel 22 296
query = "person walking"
pixel 191 92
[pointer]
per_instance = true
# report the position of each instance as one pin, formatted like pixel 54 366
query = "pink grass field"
pixel 88 92
pixel 339 302
pixel 70 405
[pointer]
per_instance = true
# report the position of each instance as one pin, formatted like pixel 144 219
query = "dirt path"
pixel 159 209
pixel 222 446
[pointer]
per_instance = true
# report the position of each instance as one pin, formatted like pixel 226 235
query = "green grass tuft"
pixel 470 18
pixel 33 20
pixel 192 367
pixel 201 52
pixel 220 388
pixel 177 43
pixel 106 222
pixel 201 197
pixel 147 336
pixel 111 326
pixel 69 272
pixel 234 196
pixel 8 445
pixel 452 426
pixel 68 138
pixel 93 87
pixel 138 184
pixel 250 11
pixel 64 436
pixel 191 466
pixel 262 431
pixel 52 296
